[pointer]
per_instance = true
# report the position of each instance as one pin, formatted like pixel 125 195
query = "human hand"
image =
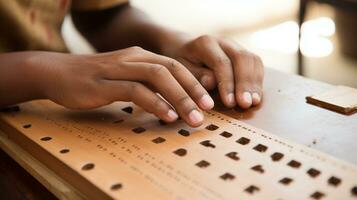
pixel 132 74
pixel 221 62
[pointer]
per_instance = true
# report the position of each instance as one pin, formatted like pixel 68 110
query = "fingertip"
pixel 256 98
pixel 171 116
pixel 195 118
pixel 206 102
pixel 245 100
pixel 230 100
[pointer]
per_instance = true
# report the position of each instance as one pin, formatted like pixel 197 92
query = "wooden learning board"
pixel 121 152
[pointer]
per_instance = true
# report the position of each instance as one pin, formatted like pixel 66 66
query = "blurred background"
pixel 270 28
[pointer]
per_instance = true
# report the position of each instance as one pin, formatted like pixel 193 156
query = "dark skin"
pixel 179 67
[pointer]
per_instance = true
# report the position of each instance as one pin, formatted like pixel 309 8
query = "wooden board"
pixel 112 153
pixel 341 99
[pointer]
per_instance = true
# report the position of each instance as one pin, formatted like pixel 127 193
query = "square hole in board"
pixel 294 164
pixel 202 164
pixel 252 189
pixel 313 172
pixel 128 109
pixel 243 141
pixel 180 152
pixel 317 195
pixel 227 176
pixel 233 155
pixel 354 191
pixel 226 134
pixel 285 181
pixel 261 148
pixel 212 127
pixel 334 181
pixel 158 140
pixel 258 168
pixel 207 143
pixel 276 156
pixel 184 132
pixel 138 130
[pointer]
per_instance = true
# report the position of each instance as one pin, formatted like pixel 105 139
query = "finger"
pixel 185 78
pixel 204 75
pixel 164 82
pixel 141 96
pixel 211 54
pixel 248 74
pixel 257 95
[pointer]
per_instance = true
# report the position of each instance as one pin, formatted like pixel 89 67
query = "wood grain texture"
pixel 210 163
pixel 106 160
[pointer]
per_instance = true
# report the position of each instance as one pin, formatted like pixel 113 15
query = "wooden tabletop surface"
pixel 284 112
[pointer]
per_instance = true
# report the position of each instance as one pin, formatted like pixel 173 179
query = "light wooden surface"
pixel 285 113
pixel 278 114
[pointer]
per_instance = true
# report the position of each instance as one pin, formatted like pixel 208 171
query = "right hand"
pixel 132 74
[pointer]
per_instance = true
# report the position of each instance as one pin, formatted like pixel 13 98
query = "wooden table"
pixel 283 112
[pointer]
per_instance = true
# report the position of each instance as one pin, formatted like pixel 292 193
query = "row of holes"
pixel 129 110
pixel 258 168
pixel 86 167
pixel 243 141
pixel 233 155
pixel 277 156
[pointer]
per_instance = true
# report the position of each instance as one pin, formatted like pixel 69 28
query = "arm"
pixel 214 61
pixel 121 27
pixel 18 80
pixel 91 81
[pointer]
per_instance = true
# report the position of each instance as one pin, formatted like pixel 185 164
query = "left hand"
pixel 221 62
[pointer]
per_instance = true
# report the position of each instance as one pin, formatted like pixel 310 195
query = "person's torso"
pixel 32 24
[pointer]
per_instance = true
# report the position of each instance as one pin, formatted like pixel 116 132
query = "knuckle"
pixel 244 52
pixel 226 85
pixel 222 61
pixel 197 87
pixel 135 88
pixel 224 82
pixel 135 49
pixel 174 65
pixel 204 39
pixel 158 70
pixel 159 105
pixel 184 102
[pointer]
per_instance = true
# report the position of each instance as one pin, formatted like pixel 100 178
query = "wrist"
pixel 34 68
pixel 170 41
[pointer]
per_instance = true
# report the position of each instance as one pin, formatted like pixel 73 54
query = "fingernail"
pixel 230 98
pixel 247 98
pixel 195 117
pixel 256 97
pixel 172 115
pixel 206 101
pixel 204 80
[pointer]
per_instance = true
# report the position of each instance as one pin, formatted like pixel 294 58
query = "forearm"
pixel 18 82
pixel 123 27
